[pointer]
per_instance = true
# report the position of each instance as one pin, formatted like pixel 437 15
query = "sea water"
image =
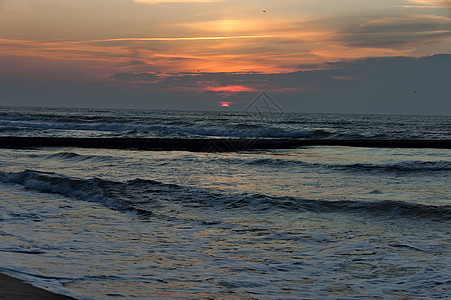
pixel 306 223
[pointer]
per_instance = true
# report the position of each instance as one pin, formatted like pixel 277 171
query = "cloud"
pixel 372 85
pixel 223 91
pixel 398 32
pixel 137 77
pixel 222 85
pixel 430 3
pixel 211 43
pixel 165 39
pixel 162 55
pixel 229 88
pixel 174 1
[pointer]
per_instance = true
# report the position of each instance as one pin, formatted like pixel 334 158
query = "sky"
pixel 345 56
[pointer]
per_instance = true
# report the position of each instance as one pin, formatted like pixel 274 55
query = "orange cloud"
pixel 174 1
pixel 155 39
pixel 429 3
pixel 229 89
pixel 273 45
pixel 228 25
pixel 224 91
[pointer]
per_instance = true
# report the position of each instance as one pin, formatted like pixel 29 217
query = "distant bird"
pixel 264 11
pixel 414 91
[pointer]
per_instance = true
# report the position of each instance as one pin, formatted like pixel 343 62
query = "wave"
pixel 277 162
pixel 136 195
pixel 67 155
pixel 9 129
pixel 385 208
pixel 172 126
pixel 71 156
pixel 88 190
pixel 158 130
pixel 147 197
pixel 146 123
pixel 406 166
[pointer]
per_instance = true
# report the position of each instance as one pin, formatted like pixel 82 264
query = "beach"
pixel 12 288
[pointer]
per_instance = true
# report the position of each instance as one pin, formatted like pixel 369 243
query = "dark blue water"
pixel 178 124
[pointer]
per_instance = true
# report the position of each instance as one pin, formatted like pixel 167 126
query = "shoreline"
pixel 13 288
pixel 208 144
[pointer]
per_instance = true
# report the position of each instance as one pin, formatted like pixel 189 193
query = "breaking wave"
pixel 147 196
pixel 408 166
pixel 405 166
pixel 71 156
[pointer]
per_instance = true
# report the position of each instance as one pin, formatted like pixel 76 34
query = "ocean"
pixel 317 222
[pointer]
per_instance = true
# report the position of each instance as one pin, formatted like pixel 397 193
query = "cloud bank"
pixel 396 85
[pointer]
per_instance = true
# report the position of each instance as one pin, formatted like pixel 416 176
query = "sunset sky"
pixel 315 56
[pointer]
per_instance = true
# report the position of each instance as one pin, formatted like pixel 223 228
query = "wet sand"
pixel 15 289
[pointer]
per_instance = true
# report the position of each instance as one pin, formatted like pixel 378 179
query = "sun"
pixel 225 104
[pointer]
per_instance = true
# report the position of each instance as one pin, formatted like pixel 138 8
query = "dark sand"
pixel 208 145
pixel 15 289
